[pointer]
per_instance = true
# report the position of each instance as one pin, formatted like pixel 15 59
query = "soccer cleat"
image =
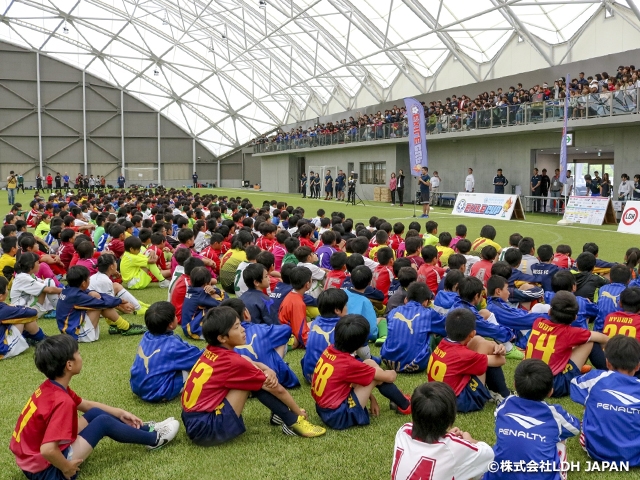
pixel 303 428
pixel 153 426
pixel 167 431
pixel 496 398
pixel 406 411
pixel 134 329
pixel 585 369
pixel 275 420
pixel 50 314
pixel 380 341
pixel 113 330
pixel 142 310
pixel 164 284
pixel 515 354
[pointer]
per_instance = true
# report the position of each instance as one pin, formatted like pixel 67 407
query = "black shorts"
pixel 424 197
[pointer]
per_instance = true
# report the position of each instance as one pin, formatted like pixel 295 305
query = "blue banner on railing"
pixel 417 136
pixel 563 146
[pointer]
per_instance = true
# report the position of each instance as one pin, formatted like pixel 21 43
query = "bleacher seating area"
pixel 593 96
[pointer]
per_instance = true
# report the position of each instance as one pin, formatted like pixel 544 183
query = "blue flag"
pixel 417 136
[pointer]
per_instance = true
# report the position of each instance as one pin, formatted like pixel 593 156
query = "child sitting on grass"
pixel 137 268
pixel 571 345
pixel 410 326
pixel 220 383
pixel 332 305
pixel 259 305
pixel 548 426
pixel 79 310
pixel 429 272
pixel 163 359
pixel 18 326
pixel 431 445
pixel 337 275
pixel 266 343
pixel 29 291
pixel 50 439
pixel 610 427
pixel 102 282
pixel 293 310
pixel 307 258
pixel 342 386
pixel 471 365
pixel 405 277
pixel 282 288
pixel 444 250
pixel 359 304
pixel 200 297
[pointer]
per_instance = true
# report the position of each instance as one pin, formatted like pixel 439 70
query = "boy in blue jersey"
pixel 517 279
pixel 517 319
pixel 410 327
pixel 448 295
pixel 406 276
pixel 332 305
pixel 395 283
pixel 284 287
pixel 611 425
pixel 201 296
pixel 607 298
pixel 259 305
pixel 79 309
pixel 565 281
pixel 373 294
pixel 602 267
pixel 530 430
pixel 163 360
pixel 265 343
pixel 327 249
pixel 358 302
pixel 471 290
pixel 545 269
pixel 18 326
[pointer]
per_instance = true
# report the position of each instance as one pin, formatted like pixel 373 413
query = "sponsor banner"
pixel 417 136
pixel 630 220
pixel 488 205
pixel 589 211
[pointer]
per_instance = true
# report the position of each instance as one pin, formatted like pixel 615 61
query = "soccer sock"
pixel 101 425
pixel 382 328
pixel 508 346
pixel 276 406
pixel 125 295
pixel 496 382
pixel 393 393
pixel 39 336
pixel 121 323
pixel 364 352
pixel 597 357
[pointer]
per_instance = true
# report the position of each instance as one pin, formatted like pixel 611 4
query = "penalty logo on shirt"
pixel 624 398
pixel 523 420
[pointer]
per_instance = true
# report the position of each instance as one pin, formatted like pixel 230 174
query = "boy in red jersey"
pixel 293 310
pixel 336 277
pixel 268 238
pixel 563 347
pixel 431 447
pixel 306 231
pixel 342 386
pixel 430 273
pixel 383 274
pixel 157 246
pixel 482 269
pixel 50 441
pixel 220 383
pixel 469 364
pixel 395 239
pixel 214 251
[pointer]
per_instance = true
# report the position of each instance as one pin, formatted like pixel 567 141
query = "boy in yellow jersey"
pixel 8 258
pixel 487 236
pixel 136 268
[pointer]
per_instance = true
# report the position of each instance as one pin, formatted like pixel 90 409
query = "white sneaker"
pixel 166 430
pixel 393 204
pixel 164 284
pixel 156 425
pixel 496 398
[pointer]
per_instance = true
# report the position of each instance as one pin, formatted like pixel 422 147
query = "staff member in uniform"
pixel 499 182
pixel 470 182
pixel 400 187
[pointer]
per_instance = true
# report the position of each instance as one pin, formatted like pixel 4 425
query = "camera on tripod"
pixel 354 175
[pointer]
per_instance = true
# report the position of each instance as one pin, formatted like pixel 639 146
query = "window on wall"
pixel 373 173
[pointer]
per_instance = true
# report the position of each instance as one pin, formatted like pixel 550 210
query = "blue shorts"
pixel 562 381
pixel 411 367
pixel 473 397
pixel 213 428
pixel 349 414
pixel 50 473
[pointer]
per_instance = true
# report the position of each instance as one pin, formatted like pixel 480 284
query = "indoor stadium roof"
pixel 229 70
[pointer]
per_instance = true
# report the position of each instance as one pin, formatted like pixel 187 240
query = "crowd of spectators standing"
pixel 593 95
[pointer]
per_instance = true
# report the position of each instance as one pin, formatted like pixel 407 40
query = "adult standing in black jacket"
pixel 545 182
pixel 499 182
pixel 400 187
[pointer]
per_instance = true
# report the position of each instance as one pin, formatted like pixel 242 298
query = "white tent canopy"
pixel 229 70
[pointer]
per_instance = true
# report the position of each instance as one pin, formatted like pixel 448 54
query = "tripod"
pixel 352 196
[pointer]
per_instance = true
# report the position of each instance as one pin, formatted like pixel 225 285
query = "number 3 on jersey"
pixel 322 373
pixel 193 387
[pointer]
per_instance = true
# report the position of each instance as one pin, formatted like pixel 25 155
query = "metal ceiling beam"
pixel 444 37
pixel 634 8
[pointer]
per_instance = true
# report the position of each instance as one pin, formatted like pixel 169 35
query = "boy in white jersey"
pixel 431 447
pixel 101 282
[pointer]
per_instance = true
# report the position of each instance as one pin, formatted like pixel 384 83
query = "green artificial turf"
pixel 263 451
